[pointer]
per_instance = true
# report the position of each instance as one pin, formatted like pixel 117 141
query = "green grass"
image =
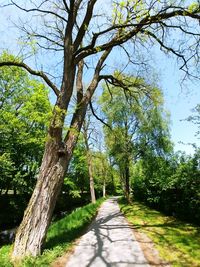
pixel 177 242
pixel 60 237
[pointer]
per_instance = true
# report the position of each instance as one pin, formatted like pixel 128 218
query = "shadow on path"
pixel 108 242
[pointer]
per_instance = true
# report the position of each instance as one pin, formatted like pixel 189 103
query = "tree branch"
pixel 66 6
pixel 120 39
pixel 79 81
pixel 97 117
pixel 39 10
pixel 166 47
pixel 84 25
pixel 95 80
pixel 33 72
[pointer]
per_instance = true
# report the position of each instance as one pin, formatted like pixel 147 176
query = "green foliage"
pixel 24 114
pixel 60 237
pixel 193 7
pixel 171 185
pixel 137 119
pixel 103 173
pixel 5 256
pixel 195 118
pixel 177 242
pixel 77 178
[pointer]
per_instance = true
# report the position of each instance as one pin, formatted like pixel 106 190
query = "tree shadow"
pixel 67 230
pixel 103 239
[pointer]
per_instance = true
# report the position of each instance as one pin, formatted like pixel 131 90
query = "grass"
pixel 177 242
pixel 60 237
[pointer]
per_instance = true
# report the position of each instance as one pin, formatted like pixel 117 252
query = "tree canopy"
pixel 24 114
pixel 76 36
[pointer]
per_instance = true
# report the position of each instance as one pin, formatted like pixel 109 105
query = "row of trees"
pixel 140 147
pixel 171 182
pixel 138 121
pixel 25 111
pixel 134 116
pixel 82 38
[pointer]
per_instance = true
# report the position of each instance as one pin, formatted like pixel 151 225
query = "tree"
pixel 24 114
pixel 77 175
pixel 102 173
pixel 87 135
pixel 132 116
pixel 65 28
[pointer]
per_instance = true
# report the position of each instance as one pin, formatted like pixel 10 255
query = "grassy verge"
pixel 60 237
pixel 177 242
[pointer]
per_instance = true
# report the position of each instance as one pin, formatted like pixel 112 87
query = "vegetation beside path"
pixel 178 242
pixel 60 237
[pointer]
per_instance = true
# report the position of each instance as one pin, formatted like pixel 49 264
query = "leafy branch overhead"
pixel 128 21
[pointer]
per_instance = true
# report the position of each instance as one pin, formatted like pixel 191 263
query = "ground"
pixel 111 241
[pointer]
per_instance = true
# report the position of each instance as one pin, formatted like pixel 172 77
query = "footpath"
pixel 109 242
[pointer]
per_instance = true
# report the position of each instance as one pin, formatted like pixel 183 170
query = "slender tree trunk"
pixel 104 188
pixel 127 182
pixel 92 191
pixel 127 163
pixel 89 162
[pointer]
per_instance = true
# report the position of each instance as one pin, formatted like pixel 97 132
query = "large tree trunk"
pixel 32 231
pixel 37 217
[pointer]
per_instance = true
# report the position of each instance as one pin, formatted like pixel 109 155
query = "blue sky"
pixel 179 101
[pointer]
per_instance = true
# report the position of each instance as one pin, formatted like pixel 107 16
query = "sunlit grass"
pixel 60 237
pixel 177 242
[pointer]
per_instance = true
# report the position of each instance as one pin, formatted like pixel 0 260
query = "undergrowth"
pixel 60 237
pixel 178 242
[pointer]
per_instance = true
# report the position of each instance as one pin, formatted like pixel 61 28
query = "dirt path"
pixel 109 242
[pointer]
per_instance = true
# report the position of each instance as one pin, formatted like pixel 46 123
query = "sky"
pixel 179 100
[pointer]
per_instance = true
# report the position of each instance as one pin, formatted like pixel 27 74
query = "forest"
pixel 88 131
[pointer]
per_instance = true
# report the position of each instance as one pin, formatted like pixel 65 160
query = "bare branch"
pixel 120 39
pixel 95 80
pixel 39 10
pixel 46 38
pixel 169 49
pixel 97 117
pixel 66 6
pixel 33 72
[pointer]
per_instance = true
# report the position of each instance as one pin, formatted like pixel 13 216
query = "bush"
pixel 172 186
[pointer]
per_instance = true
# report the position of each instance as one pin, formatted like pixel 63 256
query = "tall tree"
pixel 73 29
pixel 86 135
pixel 130 114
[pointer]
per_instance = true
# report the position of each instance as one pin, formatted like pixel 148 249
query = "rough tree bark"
pixel 32 231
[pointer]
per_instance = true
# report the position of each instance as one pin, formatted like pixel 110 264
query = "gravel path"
pixel 109 242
